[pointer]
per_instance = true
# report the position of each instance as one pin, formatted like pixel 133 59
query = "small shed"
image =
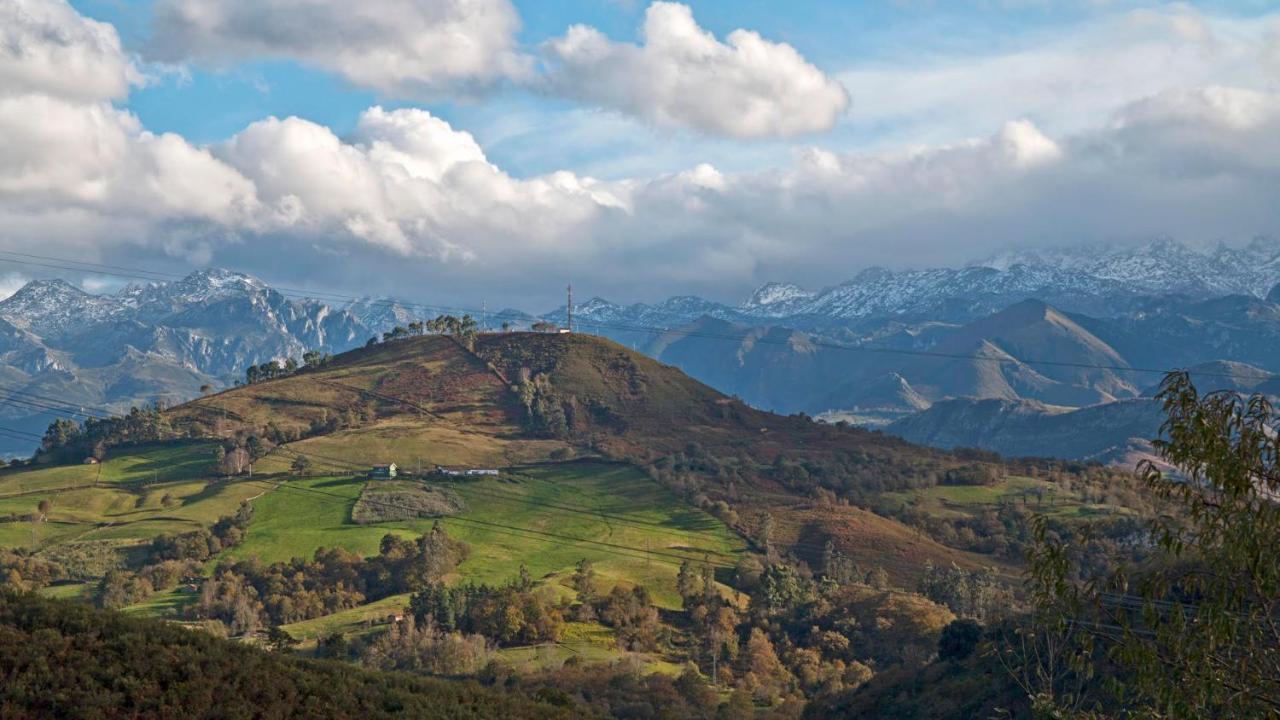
pixel 383 472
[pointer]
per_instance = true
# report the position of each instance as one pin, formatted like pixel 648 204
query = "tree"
pixel 255 447
pixel 959 639
pixel 279 640
pixel 300 465
pixel 584 583
pixel 333 646
pixel 764 531
pixel 524 582
pixel 1194 630
pixel 688 583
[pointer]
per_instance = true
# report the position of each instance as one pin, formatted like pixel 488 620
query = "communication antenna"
pixel 569 307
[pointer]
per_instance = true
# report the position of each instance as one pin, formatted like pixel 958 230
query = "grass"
pixel 167 604
pixel 124 466
pixel 591 501
pixel 113 513
pixel 352 621
pixel 1038 495
pixel 586 501
pixel 68 591
pixel 589 643
pixel 412 443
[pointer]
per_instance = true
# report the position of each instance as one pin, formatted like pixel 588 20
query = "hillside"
pixel 1104 433
pixel 627 513
pixel 111 666
pixel 424 401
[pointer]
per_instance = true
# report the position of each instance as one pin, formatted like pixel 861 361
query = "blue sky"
pixel 653 149
pixel 209 104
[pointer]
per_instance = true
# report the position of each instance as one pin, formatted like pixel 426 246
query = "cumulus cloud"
pixel 404 48
pixel 682 76
pixel 407 202
pixel 47 47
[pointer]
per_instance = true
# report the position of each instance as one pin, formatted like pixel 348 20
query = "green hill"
pixel 255 507
pixel 531 397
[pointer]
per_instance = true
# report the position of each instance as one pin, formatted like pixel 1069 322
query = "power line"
pixel 21 432
pixel 72 407
pixel 119 271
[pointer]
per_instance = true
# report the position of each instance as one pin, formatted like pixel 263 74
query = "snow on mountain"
pixel 54 307
pixel 1163 266
pixel 775 300
pixel 383 313
pixel 1099 281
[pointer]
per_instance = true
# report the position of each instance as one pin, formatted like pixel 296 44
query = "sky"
pixel 468 151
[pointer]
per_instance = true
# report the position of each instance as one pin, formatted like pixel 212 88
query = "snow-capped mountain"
pixel 1164 266
pixel 1097 281
pixel 161 340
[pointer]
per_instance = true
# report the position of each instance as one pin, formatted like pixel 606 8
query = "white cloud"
pixel 11 283
pixel 682 76
pixel 414 206
pixel 47 47
pixel 1065 81
pixel 404 48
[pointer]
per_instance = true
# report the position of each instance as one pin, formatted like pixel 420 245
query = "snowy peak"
pixel 1162 266
pixel 774 294
pixel 382 312
pixel 53 307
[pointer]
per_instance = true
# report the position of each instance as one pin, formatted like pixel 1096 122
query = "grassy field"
pixel 1039 496
pixel 576 504
pixel 588 643
pixel 591 501
pixel 353 621
pixel 142 492
pixel 125 466
pixel 412 443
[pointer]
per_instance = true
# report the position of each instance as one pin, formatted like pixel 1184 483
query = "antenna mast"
pixel 569 306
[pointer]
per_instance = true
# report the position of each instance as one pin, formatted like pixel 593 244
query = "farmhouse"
pixel 383 472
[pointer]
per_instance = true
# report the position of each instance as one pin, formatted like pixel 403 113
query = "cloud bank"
pixel 410 205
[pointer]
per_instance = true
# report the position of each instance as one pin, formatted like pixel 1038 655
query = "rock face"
pixel 1076 329
pixel 158 342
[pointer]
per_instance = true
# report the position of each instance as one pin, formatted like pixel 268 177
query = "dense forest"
pixel 66 660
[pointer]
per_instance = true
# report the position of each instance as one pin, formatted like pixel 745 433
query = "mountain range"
pixel 1022 340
